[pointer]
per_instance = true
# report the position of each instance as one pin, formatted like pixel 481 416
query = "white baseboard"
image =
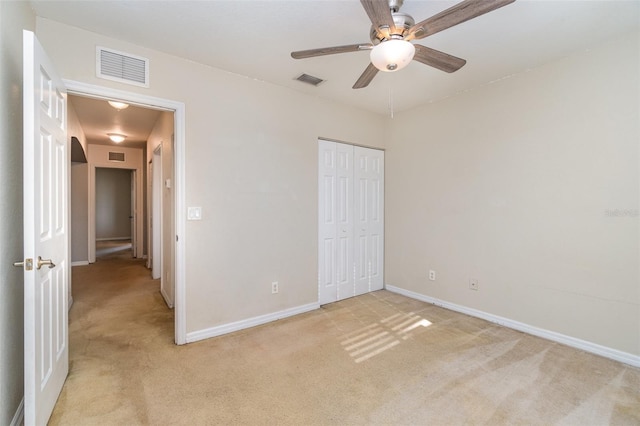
pixel 194 336
pixel 80 263
pixel 18 417
pixel 584 345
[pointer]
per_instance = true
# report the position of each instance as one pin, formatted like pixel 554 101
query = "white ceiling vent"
pixel 122 67
pixel 309 79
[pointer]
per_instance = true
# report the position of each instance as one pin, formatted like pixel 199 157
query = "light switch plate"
pixel 194 213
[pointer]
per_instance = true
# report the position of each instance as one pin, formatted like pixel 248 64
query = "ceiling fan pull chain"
pixel 391 102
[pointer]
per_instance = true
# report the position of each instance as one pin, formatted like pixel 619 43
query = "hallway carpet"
pixel 379 358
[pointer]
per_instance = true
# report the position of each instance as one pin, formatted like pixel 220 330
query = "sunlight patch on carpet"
pixel 375 339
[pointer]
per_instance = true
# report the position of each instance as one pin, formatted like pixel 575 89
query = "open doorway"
pixel 115 196
pixel 177 203
pixel 119 203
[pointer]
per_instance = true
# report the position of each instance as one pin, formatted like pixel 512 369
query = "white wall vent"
pixel 122 67
pixel 116 156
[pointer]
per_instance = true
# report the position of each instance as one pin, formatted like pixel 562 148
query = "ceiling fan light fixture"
pixel 115 137
pixel 392 55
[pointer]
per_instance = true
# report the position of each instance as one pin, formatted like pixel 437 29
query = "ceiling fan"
pixel 392 32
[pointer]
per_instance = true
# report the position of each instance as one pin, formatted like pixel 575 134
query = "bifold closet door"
pixel 335 215
pixel 369 219
pixel 351 220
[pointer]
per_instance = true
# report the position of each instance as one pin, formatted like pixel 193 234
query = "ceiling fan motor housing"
pixel 395 5
pixel 402 21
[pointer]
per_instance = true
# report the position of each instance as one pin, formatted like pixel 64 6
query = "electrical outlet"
pixel 473 284
pixel 432 275
pixel 274 287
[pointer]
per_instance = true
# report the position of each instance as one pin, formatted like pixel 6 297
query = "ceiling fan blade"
pixel 366 77
pixel 301 54
pixel 437 59
pixel 461 12
pixel 379 13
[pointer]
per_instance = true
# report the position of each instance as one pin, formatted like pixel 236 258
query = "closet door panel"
pixel 369 256
pixel 344 208
pixel 327 223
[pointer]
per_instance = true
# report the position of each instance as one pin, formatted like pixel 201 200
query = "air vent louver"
pixel 309 79
pixel 122 67
pixel 116 156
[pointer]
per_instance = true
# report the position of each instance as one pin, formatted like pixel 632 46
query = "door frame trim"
pixel 136 240
pixel 178 108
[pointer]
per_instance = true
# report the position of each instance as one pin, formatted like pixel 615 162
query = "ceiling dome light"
pixel 118 105
pixel 392 55
pixel 115 137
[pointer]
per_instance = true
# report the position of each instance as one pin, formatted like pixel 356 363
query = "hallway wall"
pixel 79 194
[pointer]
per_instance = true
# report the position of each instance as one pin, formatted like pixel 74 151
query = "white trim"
pixel 584 345
pixel 178 108
pixel 18 417
pixel 207 333
pixel 113 239
pixel 80 263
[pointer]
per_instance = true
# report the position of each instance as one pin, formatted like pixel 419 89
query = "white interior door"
pixel 46 224
pixel 351 220
pixel 369 219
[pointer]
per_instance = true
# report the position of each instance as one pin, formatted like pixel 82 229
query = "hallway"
pixel 117 319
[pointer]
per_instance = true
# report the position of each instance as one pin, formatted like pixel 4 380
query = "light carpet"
pixel 380 358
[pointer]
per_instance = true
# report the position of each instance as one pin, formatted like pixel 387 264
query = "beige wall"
pixel 14 17
pixel 531 186
pixel 251 165
pixel 74 128
pixel 79 212
pixel 516 183
pixel 79 193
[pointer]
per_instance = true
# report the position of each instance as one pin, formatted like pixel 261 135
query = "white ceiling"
pixel 97 118
pixel 255 38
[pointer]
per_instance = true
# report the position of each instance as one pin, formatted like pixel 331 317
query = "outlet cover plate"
pixel 473 284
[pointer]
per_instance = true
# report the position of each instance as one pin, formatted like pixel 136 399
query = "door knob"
pixel 42 262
